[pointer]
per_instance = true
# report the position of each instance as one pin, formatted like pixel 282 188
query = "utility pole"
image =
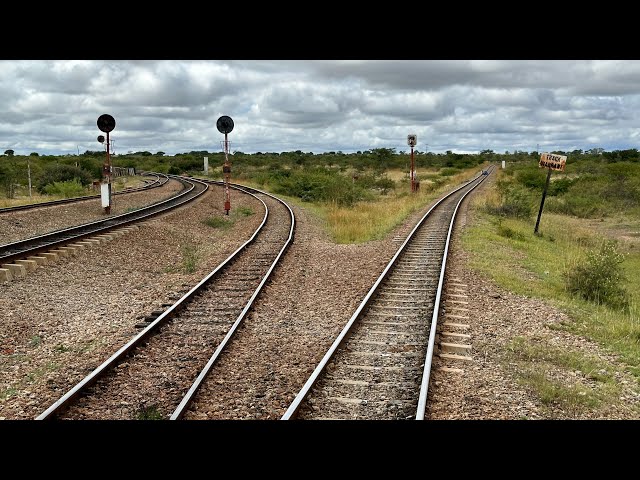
pixel 29 173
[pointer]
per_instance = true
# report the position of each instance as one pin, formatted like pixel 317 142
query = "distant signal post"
pixel 412 140
pixel 225 125
pixel 106 123
pixel 552 162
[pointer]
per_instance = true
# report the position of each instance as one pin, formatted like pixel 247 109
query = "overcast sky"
pixel 51 107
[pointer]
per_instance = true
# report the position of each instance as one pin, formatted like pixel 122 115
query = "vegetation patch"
pixel 243 211
pixel 8 393
pixel 568 379
pixel 599 277
pixel 37 373
pixel 190 258
pixel 61 348
pixel 149 413
pixel 574 263
pixel 218 222
pixel 68 189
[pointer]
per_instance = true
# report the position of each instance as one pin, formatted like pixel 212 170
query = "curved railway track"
pixel 160 179
pixel 31 247
pixel 379 365
pixel 164 365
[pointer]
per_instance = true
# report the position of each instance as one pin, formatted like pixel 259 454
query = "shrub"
pixel 599 277
pixel 62 173
pixel 581 206
pixel 515 202
pixel 448 172
pixel 69 189
pixel 508 232
pixel 320 185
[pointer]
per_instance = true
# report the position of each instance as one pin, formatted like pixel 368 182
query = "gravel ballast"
pixel 64 319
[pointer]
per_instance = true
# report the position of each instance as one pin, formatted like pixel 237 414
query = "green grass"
pixel 533 265
pixel 149 413
pixel 375 219
pixel 218 222
pixel 189 258
pixel 243 211
pixel 8 393
pixel 592 383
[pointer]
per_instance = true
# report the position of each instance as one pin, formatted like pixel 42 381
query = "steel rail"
pixel 189 396
pixel 156 183
pixel 52 239
pixel 99 371
pixel 295 404
pixel 424 386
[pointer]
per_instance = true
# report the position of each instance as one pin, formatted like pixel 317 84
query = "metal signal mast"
pixel 412 140
pixel 225 125
pixel 106 123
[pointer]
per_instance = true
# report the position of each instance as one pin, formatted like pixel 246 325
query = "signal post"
pixel 225 125
pixel 106 123
pixel 412 140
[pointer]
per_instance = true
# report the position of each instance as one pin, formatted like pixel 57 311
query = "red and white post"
pixel 226 173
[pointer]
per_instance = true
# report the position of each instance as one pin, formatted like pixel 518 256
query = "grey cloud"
pixel 51 106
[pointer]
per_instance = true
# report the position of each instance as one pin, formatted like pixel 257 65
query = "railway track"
pixel 379 365
pixel 17 254
pixel 159 180
pixel 158 373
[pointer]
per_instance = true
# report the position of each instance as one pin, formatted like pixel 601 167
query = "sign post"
pixel 412 140
pixel 552 162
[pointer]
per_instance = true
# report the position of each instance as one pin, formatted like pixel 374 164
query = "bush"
pixel 69 189
pixel 581 206
pixel 599 277
pixel 516 202
pixel 448 172
pixel 62 173
pixel 320 185
pixel 508 232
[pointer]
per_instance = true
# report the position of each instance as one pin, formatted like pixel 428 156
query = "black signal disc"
pixel 224 124
pixel 106 123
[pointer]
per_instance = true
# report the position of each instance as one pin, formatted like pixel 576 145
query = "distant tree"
pixel 34 154
pixel 90 153
pixel 383 153
pixel 9 152
pixel 160 154
pixel 61 173
pixel 8 179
